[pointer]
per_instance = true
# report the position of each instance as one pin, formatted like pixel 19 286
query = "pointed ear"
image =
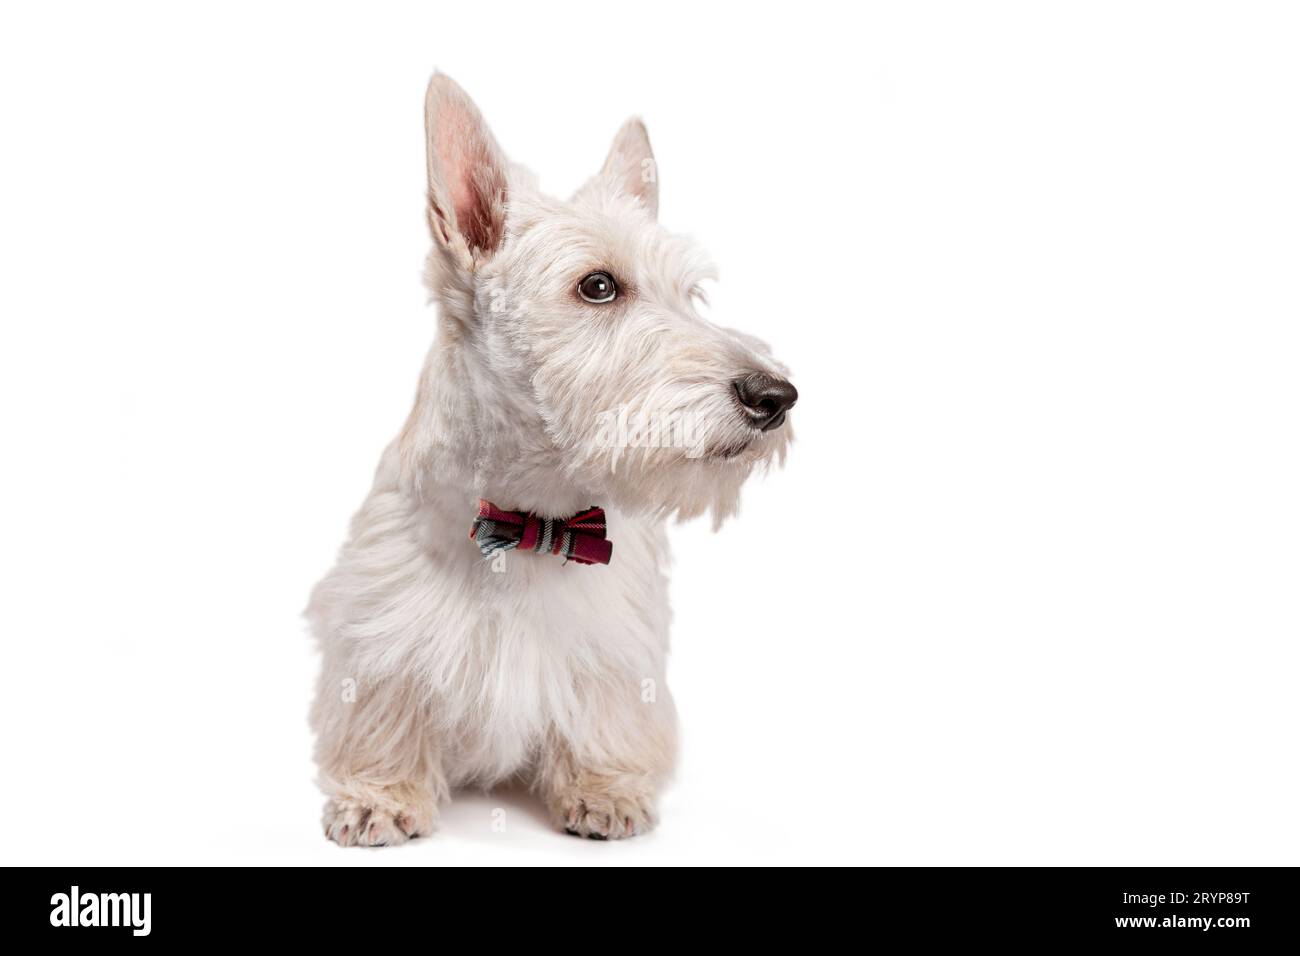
pixel 630 166
pixel 467 171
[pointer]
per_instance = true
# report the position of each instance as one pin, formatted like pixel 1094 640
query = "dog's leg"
pixel 601 779
pixel 378 762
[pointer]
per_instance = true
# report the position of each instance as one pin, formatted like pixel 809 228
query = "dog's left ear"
pixel 468 182
pixel 630 166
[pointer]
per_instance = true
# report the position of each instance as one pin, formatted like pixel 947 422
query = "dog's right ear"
pixel 468 185
pixel 630 166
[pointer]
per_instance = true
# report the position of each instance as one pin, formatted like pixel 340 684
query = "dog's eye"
pixel 598 287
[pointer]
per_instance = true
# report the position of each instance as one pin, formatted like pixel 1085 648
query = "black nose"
pixel 765 398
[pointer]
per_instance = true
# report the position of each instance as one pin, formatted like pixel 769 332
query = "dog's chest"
pixel 533 641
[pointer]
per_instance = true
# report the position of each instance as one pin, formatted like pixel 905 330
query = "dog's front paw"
pixel 604 813
pixel 350 823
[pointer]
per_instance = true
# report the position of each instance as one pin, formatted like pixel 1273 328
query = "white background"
pixel 1027 589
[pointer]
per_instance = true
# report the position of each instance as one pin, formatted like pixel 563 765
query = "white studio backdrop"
pixel 1026 590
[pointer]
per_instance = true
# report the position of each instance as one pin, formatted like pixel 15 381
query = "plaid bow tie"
pixel 580 538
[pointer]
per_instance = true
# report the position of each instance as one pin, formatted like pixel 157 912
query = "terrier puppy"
pixel 481 624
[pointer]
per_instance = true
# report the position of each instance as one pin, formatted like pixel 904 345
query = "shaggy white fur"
pixel 442 669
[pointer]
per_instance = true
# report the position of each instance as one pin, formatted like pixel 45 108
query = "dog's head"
pixel 576 326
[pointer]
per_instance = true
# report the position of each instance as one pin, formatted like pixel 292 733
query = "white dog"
pixel 570 373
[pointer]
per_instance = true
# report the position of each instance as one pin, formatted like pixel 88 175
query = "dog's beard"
pixel 663 436
pixel 678 464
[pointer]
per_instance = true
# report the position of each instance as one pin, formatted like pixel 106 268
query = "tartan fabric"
pixel 580 538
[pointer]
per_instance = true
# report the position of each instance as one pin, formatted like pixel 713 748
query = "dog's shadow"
pixel 510 811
